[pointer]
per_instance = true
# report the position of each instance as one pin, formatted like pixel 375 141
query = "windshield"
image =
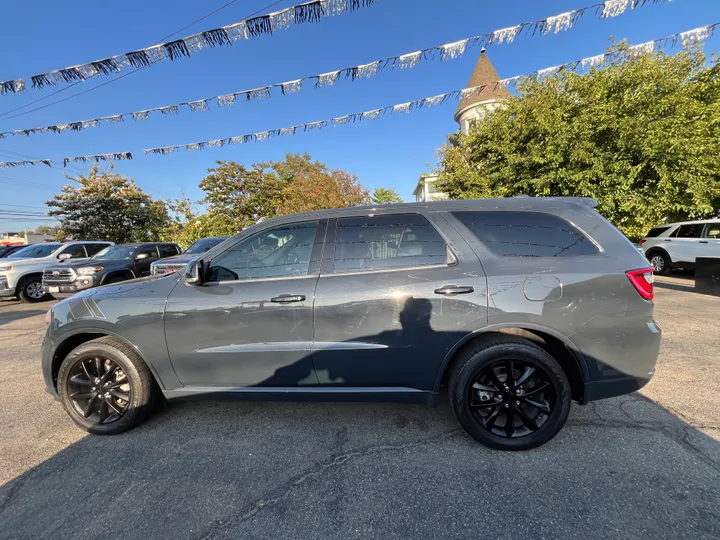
pixel 115 252
pixel 35 251
pixel 201 246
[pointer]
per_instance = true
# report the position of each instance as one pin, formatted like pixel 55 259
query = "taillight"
pixel 641 242
pixel 643 281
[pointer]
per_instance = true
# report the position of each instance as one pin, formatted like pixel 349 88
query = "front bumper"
pixel 47 353
pixel 5 289
pixel 64 289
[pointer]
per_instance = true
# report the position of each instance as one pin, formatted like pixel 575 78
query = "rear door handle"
pixel 668 240
pixel 450 290
pixel 288 298
pixel 702 242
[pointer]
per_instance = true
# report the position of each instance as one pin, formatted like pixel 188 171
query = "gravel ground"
pixel 643 465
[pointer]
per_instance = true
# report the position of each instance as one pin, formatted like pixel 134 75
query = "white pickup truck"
pixel 21 273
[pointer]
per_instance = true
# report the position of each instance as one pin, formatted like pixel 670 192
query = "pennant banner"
pixel 118 156
pixel 26 163
pixel 688 38
pixel 308 12
pixel 313 12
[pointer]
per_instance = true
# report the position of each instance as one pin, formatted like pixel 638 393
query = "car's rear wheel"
pixel 660 263
pixel 509 394
pixel 105 387
pixel 31 290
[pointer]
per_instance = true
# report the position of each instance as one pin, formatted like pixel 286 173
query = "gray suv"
pixel 516 306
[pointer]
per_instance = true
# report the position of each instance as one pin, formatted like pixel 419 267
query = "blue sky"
pixel 41 35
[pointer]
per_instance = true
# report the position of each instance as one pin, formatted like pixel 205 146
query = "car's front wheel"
pixel 31 290
pixel 105 387
pixel 509 394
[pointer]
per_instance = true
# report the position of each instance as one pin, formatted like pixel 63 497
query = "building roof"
pixel 484 73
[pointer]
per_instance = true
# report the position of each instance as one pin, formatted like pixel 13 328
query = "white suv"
pixel 678 244
pixel 21 273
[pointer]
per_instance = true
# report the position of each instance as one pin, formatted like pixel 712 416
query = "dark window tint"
pixel 712 230
pixel 168 250
pixel 656 231
pixel 204 244
pixel 92 249
pixel 690 231
pixel 526 234
pixel 377 242
pixel 282 251
pixel 151 252
pixel 75 252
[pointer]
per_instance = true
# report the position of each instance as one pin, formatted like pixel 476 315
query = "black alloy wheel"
pixel 105 387
pixel 508 392
pixel 511 398
pixel 99 389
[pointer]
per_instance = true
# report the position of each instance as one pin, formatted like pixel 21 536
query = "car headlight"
pixel 89 270
pixel 6 268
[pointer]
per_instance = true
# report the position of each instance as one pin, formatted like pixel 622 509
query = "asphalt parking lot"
pixel 644 465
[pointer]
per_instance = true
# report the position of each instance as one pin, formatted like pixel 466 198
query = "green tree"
pixel 107 205
pixel 385 196
pixel 641 135
pixel 49 230
pixel 244 195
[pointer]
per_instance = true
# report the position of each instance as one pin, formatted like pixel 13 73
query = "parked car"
pixel 507 302
pixel 21 272
pixel 6 251
pixel 177 263
pixel 114 264
pixel 678 244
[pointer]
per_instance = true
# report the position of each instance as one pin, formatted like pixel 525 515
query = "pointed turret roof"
pixel 484 73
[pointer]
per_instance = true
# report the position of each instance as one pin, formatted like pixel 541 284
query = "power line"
pixel 124 75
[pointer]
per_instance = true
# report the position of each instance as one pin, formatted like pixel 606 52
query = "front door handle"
pixel 450 290
pixel 288 298
pixel 702 242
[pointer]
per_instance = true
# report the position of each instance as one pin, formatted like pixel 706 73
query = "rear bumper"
pixel 618 386
pixel 621 358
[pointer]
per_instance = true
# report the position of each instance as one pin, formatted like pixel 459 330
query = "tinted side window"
pixel 168 251
pixel 92 249
pixel 690 231
pixel 656 231
pixel 394 241
pixel 76 252
pixel 526 234
pixel 282 251
pixel 150 250
pixel 712 230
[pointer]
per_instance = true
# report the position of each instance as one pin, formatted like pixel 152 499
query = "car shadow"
pixel 7 316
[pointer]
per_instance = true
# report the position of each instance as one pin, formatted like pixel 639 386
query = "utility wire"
pixel 2 115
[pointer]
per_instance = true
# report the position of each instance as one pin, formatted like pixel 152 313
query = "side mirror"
pixel 64 256
pixel 194 272
pixel 141 256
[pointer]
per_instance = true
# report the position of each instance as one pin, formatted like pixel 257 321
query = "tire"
pixel 660 262
pixel 31 290
pixel 469 404
pixel 140 389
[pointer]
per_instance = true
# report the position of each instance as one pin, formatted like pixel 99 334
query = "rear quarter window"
pixel 656 231
pixel 526 234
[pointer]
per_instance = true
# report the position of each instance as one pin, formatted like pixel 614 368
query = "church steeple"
pixel 483 74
